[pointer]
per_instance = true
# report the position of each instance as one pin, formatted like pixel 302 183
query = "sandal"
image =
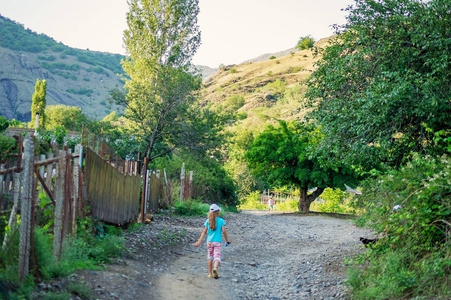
pixel 215 274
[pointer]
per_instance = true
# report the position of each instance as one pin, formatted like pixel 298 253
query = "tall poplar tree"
pixel 38 103
pixel 161 38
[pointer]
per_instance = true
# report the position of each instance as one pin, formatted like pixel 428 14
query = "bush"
pixel 253 201
pixel 332 201
pixel 211 181
pixel 94 245
pixel 8 148
pixel 413 257
pixel 191 207
pixel 195 207
pixel 305 43
pixel 288 206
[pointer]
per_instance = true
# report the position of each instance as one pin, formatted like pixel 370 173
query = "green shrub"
pixel 331 201
pixel 7 148
pixel 191 207
pixel 413 257
pixel 305 42
pixel 81 91
pixel 288 205
pixel 212 183
pixel 253 201
pixel 4 123
pixel 234 102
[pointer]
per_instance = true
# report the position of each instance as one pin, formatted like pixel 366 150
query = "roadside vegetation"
pixel 94 245
pixel 361 117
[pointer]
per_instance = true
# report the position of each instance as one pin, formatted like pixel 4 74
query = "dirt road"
pixel 272 256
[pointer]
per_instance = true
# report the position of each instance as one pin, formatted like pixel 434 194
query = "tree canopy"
pixel 161 38
pixel 69 117
pixel 382 87
pixel 283 155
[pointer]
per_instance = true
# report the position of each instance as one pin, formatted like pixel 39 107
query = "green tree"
pixel 7 143
pixel 69 117
pixel 38 103
pixel 117 133
pixel 4 123
pixel 305 42
pixel 161 38
pixel 382 87
pixel 282 156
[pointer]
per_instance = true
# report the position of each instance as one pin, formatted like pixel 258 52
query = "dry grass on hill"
pixel 245 79
pixel 263 84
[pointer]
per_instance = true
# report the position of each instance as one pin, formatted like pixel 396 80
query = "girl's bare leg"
pixel 215 269
pixel 210 267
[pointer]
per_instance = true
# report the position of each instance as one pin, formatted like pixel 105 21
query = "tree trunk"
pixel 305 200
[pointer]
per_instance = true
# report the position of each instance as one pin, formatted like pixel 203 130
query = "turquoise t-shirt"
pixel 215 235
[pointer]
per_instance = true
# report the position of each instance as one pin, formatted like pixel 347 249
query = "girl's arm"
pixel 224 232
pixel 204 232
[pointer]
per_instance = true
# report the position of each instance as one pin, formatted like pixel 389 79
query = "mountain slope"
pixel 74 77
pixel 84 78
pixel 271 85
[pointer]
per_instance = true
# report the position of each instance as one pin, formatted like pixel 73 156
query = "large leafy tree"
pixel 69 117
pixel 161 38
pixel 38 103
pixel 383 86
pixel 282 155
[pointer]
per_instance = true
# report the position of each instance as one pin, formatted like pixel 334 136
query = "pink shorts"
pixel 214 251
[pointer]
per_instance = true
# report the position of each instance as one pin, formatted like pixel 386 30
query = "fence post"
pixel 76 204
pixel 190 184
pixel 12 223
pixel 168 192
pixel 48 179
pixel 148 175
pixel 182 182
pixel 143 196
pixel 26 209
pixel 59 204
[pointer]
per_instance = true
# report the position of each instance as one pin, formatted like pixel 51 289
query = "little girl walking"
pixel 214 228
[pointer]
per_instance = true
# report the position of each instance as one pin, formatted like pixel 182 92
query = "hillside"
pixel 83 78
pixel 74 77
pixel 270 87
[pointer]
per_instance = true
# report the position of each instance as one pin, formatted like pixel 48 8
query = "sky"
pixel 232 31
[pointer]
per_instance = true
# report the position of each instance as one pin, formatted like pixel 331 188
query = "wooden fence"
pixel 114 184
pixel 277 196
pixel 113 195
pixel 59 176
pixel 109 185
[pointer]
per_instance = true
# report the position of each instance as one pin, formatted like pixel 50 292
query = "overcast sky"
pixel 232 30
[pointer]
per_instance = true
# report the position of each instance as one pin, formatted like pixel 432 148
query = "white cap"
pixel 214 207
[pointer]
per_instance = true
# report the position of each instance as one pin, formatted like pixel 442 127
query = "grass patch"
pixel 93 246
pixel 195 207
